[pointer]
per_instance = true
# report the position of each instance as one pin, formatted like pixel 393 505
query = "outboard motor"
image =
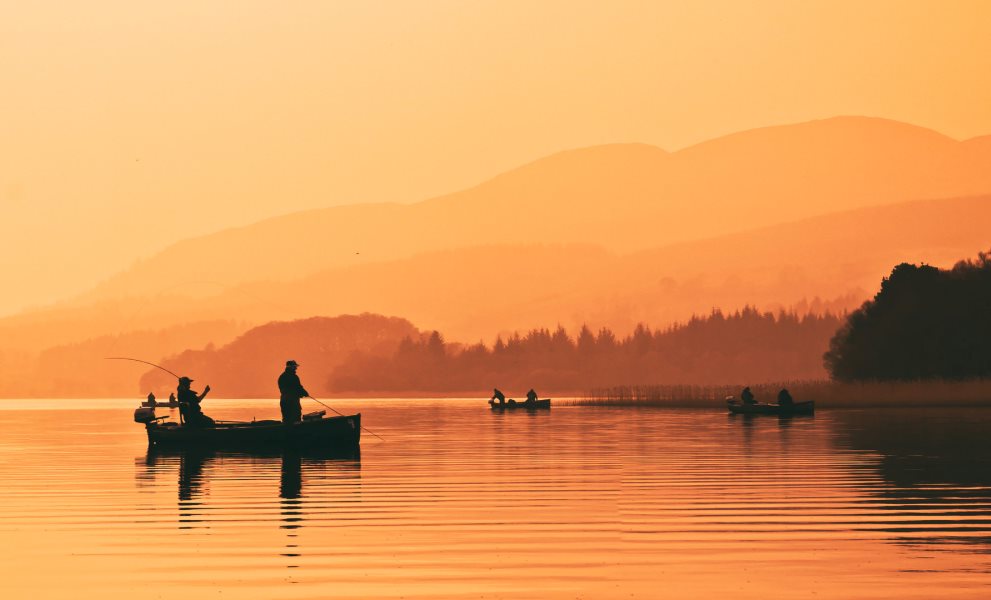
pixel 144 414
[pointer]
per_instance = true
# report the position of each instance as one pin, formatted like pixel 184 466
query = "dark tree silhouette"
pixel 924 323
pixel 745 346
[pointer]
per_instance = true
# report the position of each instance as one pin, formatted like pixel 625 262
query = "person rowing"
pixel 747 396
pixel 497 395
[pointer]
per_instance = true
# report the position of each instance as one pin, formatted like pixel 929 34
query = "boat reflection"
pixel 197 467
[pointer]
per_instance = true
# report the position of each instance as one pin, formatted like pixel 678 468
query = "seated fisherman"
pixel 747 396
pixel 785 399
pixel 531 396
pixel 189 404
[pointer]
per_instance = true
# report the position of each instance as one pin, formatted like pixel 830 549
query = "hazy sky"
pixel 128 125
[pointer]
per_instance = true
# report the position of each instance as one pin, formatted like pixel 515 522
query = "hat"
pixel 185 380
pixel 292 363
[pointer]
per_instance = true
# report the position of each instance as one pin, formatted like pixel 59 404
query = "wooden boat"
pixel 798 408
pixel 314 431
pixel 513 404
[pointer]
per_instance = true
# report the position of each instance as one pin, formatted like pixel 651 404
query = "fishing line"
pixel 141 361
pixel 343 415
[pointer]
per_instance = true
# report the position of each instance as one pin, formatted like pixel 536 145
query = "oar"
pixel 343 415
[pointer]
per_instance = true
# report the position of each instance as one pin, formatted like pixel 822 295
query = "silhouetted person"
pixel 785 399
pixel 189 404
pixel 290 391
pixel 747 396
pixel 151 398
pixel 531 396
pixel 497 395
pixel 172 398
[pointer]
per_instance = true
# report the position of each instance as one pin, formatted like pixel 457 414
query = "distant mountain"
pixel 78 369
pixel 623 197
pixel 475 293
pixel 249 366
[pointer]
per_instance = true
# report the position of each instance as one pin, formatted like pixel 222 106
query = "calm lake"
pixel 462 502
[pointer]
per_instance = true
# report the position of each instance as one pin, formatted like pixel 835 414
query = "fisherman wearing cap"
pixel 189 404
pixel 291 390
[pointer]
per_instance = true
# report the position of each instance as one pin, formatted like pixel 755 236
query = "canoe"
pixel 798 408
pixel 319 432
pixel 513 404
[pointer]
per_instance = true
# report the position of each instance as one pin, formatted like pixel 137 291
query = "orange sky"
pixel 127 126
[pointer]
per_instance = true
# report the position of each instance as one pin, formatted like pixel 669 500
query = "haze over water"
pixel 457 501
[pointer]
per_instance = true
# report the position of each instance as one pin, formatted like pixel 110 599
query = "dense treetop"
pixel 924 323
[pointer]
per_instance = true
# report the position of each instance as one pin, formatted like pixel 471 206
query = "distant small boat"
pixel 513 404
pixel 314 431
pixel 160 404
pixel 798 408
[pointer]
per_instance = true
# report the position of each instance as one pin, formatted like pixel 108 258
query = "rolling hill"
pixel 622 197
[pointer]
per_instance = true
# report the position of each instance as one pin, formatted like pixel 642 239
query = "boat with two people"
pixel 151 402
pixel 532 402
pixel 195 429
pixel 786 405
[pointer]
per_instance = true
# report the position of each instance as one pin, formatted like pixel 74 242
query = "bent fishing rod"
pixel 343 415
pixel 141 361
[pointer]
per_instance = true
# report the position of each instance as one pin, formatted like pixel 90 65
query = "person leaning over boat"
pixel 747 396
pixel 785 399
pixel 189 404
pixel 290 391
pixel 497 395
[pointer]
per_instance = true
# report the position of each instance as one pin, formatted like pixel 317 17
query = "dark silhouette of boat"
pixel 314 431
pixel 798 408
pixel 514 405
pixel 160 404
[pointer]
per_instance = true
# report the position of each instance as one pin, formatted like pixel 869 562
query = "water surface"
pixel 462 502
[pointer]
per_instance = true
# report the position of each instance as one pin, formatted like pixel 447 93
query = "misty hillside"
pixel 475 293
pixel 623 197
pixel 249 366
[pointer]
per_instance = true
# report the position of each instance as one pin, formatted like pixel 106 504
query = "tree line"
pixel 747 345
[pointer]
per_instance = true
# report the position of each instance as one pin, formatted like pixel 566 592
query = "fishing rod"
pixel 141 361
pixel 343 415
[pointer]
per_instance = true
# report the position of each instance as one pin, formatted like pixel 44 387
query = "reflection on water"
pixel 937 465
pixel 462 502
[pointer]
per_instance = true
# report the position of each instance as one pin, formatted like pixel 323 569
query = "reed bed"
pixel 826 394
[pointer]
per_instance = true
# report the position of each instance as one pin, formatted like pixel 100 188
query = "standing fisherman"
pixel 291 390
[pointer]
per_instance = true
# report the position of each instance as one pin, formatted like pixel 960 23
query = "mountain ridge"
pixel 624 197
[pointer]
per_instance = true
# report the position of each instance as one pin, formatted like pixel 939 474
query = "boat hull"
pixel 799 408
pixel 513 405
pixel 333 432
